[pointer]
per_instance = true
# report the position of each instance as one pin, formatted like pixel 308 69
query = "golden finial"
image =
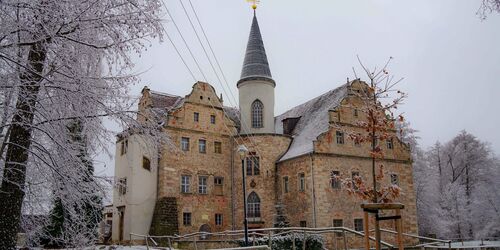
pixel 254 3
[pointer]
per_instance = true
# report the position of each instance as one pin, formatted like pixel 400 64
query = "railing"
pixel 433 241
pixel 229 236
pixel 235 235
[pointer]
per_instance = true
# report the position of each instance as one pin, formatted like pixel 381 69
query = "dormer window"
pixel 257 114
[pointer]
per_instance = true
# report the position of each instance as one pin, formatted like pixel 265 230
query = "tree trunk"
pixel 14 175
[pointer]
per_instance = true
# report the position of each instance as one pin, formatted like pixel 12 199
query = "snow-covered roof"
pixel 313 121
pixel 313 115
pixel 165 101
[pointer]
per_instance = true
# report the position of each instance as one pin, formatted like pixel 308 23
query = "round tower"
pixel 256 87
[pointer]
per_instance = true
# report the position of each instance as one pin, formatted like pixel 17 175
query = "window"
pixel 338 223
pixel 358 225
pixel 186 219
pixel 355 175
pixel 202 146
pixel 302 182
pixel 124 147
pixel 357 142
pixel 257 114
pixel 335 181
pixel 218 185
pixel 196 117
pixel 217 147
pixel 202 184
pixel 146 164
pixel 340 137
pixel 122 186
pixel 185 144
pixel 212 119
pixel 389 143
pixel 218 219
pixel 303 223
pixel 253 165
pixel 285 184
pixel 185 184
pixel 355 112
pixel 394 179
pixel 253 206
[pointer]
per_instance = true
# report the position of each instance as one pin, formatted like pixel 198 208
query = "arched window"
pixel 253 207
pixel 257 114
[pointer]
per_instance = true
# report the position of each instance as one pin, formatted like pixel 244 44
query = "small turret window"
pixel 257 114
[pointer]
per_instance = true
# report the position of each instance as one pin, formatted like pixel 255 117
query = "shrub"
pixel 284 242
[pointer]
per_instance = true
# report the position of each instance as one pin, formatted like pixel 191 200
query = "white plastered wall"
pixel 249 92
pixel 140 199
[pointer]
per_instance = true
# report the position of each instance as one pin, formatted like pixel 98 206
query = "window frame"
pixel 124 146
pixel 219 220
pixel 186 219
pixel 389 143
pixel 185 144
pixel 359 224
pixel 335 184
pixel 146 163
pixel 218 187
pixel 302 182
pixel 186 186
pixel 217 147
pixel 253 207
pixel 303 223
pixel 394 179
pixel 202 147
pixel 212 119
pixel 196 117
pixel 286 184
pixel 257 114
pixel 122 186
pixel 355 173
pixel 339 136
pixel 253 165
pixel 202 184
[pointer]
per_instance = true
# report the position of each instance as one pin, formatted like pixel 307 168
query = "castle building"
pixel 194 182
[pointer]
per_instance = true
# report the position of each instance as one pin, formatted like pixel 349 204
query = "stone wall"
pixel 268 147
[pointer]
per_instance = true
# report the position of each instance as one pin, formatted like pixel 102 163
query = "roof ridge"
pixel 314 99
pixel 163 93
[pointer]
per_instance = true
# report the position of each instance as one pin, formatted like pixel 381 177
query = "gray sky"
pixel 446 54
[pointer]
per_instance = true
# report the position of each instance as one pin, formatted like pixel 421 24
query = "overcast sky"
pixel 450 59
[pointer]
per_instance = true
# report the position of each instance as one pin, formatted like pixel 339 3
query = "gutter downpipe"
pixel 313 190
pixel 233 227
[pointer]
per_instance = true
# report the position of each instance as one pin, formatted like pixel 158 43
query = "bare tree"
pixel 61 61
pixel 379 101
pixel 487 7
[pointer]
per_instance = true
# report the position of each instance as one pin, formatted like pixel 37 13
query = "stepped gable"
pixel 314 120
pixel 168 102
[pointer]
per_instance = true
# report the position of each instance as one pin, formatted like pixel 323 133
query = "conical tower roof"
pixel 255 65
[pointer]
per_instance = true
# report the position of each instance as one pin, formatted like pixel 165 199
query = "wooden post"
pixel 293 241
pixel 147 243
pixel 270 240
pixel 253 238
pixel 195 245
pixel 169 243
pixel 399 229
pixel 345 239
pixel 367 231
pixel 304 241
